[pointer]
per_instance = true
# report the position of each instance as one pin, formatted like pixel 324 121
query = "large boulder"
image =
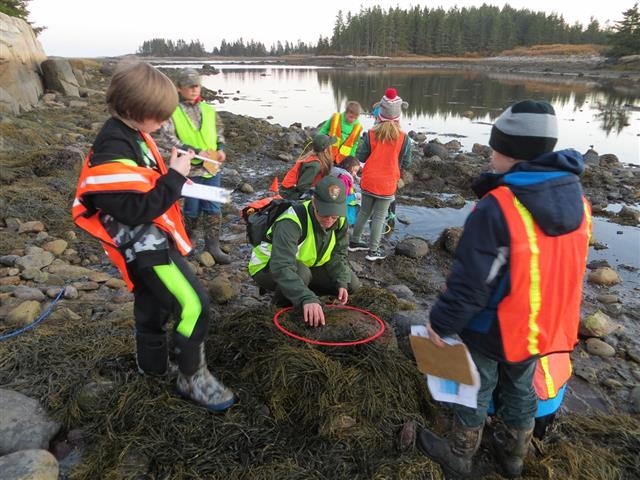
pixel 59 76
pixel 20 57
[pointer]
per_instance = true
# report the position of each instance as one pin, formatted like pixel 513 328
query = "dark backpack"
pixel 260 215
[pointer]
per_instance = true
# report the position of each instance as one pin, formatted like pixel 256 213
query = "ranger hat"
pixel 188 77
pixel 329 197
pixel 322 142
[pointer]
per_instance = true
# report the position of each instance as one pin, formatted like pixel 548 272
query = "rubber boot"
pixel 190 225
pixel 455 453
pixel 152 353
pixel 200 386
pixel 213 224
pixel 510 447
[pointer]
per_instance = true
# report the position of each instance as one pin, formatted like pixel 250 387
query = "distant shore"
pixel 591 68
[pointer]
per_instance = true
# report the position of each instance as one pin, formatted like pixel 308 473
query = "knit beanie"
pixel 525 130
pixel 391 106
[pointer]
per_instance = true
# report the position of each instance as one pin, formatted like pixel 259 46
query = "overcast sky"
pixel 82 28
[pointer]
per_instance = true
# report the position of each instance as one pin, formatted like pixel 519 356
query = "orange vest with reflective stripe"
pixel 118 177
pixel 340 149
pixel 541 312
pixel 552 372
pixel 381 171
pixel 290 180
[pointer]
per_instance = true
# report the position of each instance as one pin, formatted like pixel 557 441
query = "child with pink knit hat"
pixel 385 151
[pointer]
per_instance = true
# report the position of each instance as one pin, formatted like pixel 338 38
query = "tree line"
pixel 160 47
pixel 485 30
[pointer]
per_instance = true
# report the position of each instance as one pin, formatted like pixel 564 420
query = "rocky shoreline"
pixel 41 251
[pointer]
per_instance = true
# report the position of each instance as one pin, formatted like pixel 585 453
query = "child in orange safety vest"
pixel 128 199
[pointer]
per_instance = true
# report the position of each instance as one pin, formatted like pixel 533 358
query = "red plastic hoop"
pixel 331 344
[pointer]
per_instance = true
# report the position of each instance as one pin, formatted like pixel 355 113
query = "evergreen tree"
pixel 18 8
pixel 625 39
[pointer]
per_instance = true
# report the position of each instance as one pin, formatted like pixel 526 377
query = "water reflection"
pixel 443 103
pixel 465 93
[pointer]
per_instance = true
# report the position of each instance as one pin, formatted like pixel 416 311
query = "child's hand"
pixel 182 163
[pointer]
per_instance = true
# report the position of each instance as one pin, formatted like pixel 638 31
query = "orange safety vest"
pixel 541 312
pixel 290 180
pixel 119 177
pixel 553 371
pixel 340 149
pixel 381 171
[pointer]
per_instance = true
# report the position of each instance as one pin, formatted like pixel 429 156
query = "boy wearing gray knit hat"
pixel 515 288
pixel 525 130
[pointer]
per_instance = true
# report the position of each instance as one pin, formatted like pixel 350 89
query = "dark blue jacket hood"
pixel 548 186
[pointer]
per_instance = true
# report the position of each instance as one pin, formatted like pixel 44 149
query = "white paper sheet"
pixel 444 390
pixel 206 192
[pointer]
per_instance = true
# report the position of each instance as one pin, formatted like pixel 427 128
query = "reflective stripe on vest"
pixel 206 138
pixel 115 177
pixel 381 171
pixel 340 149
pixel 552 373
pixel 290 179
pixel 307 252
pixel 541 312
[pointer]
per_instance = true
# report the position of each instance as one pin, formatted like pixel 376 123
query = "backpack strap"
pixel 301 212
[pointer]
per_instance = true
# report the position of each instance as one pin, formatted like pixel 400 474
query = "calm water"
pixel 446 104
pixel 623 241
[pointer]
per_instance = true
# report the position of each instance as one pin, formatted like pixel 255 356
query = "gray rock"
pixel 38 259
pixel 604 276
pixel 23 424
pixel 402 291
pixel 634 400
pixel 29 465
pixel 221 289
pixel 595 346
pixel 413 247
pixel 434 149
pixel 28 293
pixel 25 313
pixel 597 324
pixel 59 76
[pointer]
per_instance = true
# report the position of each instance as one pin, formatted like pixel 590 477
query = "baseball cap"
pixel 322 142
pixel 330 197
pixel 188 77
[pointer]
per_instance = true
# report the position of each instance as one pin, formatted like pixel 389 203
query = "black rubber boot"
pixel 152 353
pixel 455 453
pixel 510 447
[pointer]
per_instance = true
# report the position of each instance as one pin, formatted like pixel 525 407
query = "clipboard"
pixel 448 362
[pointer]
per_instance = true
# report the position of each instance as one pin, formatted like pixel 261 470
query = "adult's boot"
pixel 152 353
pixel 510 448
pixel 190 225
pixel 455 453
pixel 199 385
pixel 212 227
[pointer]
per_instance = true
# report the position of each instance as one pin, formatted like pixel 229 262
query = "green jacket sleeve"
pixel 338 266
pixel 324 129
pixel 283 266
